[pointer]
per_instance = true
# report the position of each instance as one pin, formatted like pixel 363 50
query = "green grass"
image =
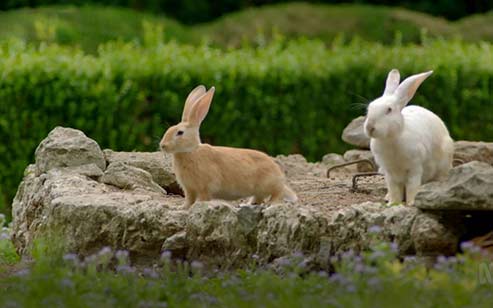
pixel 86 26
pixel 89 26
pixel 372 23
pixel 371 279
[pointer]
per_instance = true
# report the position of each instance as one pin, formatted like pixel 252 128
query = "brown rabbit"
pixel 208 172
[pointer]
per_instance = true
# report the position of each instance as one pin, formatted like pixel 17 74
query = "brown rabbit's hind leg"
pixel 204 196
pixel 190 198
pixel 289 195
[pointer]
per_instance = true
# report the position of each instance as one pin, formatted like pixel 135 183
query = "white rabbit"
pixel 411 144
pixel 208 172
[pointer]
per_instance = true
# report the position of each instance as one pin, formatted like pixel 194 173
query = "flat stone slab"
pixel 469 187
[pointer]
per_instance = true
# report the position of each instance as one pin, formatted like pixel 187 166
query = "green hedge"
pixel 282 98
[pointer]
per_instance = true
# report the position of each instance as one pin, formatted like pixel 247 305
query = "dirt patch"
pixel 313 187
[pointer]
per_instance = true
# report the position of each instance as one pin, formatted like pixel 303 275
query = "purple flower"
pixel 122 256
pixel 166 255
pixel 125 269
pixel 197 265
pixel 375 229
pixel 67 283
pixel 470 247
pixel 394 247
pixel 4 236
pixel 149 272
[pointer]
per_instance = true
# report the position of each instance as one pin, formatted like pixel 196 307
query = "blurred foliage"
pixel 86 26
pixel 372 278
pixel 196 11
pixel 89 26
pixel 284 97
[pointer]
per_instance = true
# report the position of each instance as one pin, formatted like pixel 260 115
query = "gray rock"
pixel 432 236
pixel 296 165
pixel 158 164
pixel 88 215
pixel 468 187
pixel 467 151
pixel 124 176
pixel 354 134
pixel 332 159
pixel 126 209
pixel 352 155
pixel 67 147
pixel 89 170
pixel 349 228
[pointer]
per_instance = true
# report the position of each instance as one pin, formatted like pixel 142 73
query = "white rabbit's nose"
pixel 370 129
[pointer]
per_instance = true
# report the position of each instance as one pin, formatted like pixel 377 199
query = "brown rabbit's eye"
pixel 179 133
pixel 389 110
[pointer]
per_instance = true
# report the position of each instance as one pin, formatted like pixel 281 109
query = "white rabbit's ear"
pixel 201 107
pixel 191 99
pixel 406 90
pixel 392 82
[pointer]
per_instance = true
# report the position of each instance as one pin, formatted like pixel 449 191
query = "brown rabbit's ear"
pixel 191 99
pixel 201 107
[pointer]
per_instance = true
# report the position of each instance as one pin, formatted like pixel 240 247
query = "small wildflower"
pixel 394 247
pixel 323 274
pixel 166 255
pixel 197 265
pixel 149 272
pixel 470 247
pixel 125 269
pixel 4 236
pixel 122 256
pixel 375 229
pixel 255 257
pixel 67 283
pixel 22 273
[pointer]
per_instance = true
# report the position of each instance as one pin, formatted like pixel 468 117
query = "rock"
pixel 468 187
pixel 89 170
pixel 350 228
pixel 67 147
pixel 295 165
pixel 353 155
pixel 124 208
pixel 433 236
pixel 158 164
pixel 128 177
pixel 332 159
pixel 89 215
pixel 467 151
pixel 354 134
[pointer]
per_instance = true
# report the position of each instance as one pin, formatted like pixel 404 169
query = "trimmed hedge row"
pixel 282 98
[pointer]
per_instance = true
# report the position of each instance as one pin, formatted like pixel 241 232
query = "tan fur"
pixel 208 172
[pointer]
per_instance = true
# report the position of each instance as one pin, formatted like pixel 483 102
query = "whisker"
pixel 359 105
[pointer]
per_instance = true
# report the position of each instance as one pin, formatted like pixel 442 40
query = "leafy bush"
pixel 286 97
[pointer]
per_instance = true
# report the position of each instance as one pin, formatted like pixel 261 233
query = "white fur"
pixel 411 144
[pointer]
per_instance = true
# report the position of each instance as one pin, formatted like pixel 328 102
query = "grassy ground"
pixel 88 26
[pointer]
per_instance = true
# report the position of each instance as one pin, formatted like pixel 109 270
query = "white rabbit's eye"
pixel 179 133
pixel 389 110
